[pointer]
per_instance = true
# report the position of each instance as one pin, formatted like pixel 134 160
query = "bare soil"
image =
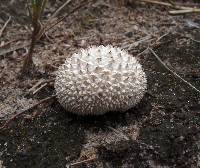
pixel 162 131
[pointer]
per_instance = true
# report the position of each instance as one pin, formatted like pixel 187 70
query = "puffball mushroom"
pixel 100 79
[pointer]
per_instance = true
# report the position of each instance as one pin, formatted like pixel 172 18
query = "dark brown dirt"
pixel 162 131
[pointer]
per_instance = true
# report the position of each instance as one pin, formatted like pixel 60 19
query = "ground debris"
pixel 161 131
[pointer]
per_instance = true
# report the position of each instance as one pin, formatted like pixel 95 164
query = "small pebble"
pixel 129 34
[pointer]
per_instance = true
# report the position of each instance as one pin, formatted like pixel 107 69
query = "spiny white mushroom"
pixel 100 79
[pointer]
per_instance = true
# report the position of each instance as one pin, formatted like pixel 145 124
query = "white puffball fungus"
pixel 100 79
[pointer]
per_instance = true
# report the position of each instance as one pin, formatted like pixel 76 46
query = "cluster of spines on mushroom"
pixel 100 79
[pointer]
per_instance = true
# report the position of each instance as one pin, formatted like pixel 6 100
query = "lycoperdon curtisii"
pixel 100 79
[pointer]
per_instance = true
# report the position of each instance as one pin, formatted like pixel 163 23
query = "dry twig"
pixel 156 43
pixel 180 9
pixel 83 161
pixel 38 89
pixel 36 85
pixel 26 110
pixel 4 26
pixel 11 49
pixel 157 2
pixel 11 41
pixel 197 41
pixel 39 85
pixel 121 134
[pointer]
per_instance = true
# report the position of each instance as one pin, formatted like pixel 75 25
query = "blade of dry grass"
pixel 4 26
pixel 42 7
pixel 47 27
pixel 26 110
pixel 59 9
pixel 174 73
pixel 83 161
pixel 192 10
pixel 180 9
